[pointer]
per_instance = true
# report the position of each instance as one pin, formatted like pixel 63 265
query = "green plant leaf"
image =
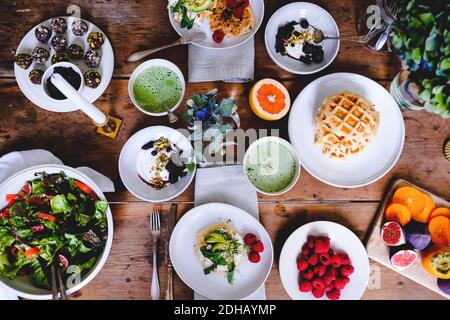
pixel 445 64
pixel 426 18
pixel 432 42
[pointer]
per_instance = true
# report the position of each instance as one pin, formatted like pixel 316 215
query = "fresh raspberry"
pixel 321 270
pixel 311 241
pixel 346 279
pixel 218 36
pixel 334 294
pixel 313 260
pixel 238 12
pixel 330 275
pixel 305 250
pixel 318 293
pixel 340 283
pixel 336 261
pixel 307 274
pixel 254 257
pixel 329 286
pixel 305 285
pixel 347 270
pixel 258 246
pixel 344 258
pixel 322 245
pixel 302 265
pixel 331 252
pixel 318 284
pixel 231 3
pixel 249 239
pixel 324 259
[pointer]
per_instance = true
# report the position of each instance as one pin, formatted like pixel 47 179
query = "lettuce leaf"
pixel 59 204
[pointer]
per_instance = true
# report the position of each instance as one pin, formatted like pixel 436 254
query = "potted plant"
pixel 421 35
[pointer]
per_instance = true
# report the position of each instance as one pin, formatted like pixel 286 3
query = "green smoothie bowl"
pixel 157 86
pixel 271 165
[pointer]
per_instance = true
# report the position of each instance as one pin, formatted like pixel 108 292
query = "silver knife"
pixel 172 218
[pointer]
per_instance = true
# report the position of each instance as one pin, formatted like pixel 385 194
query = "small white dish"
pixel 316 16
pixel 361 169
pixel 342 239
pixel 36 93
pixel 257 7
pixel 144 66
pixel 129 155
pixel 291 149
pixel 249 277
pixel 23 286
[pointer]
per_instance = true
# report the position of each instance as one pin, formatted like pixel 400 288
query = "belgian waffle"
pixel 345 124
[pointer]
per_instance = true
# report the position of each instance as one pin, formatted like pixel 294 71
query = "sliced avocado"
pixel 197 5
pixel 214 239
pixel 219 246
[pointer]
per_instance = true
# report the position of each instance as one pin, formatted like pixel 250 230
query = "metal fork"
pixel 185 39
pixel 392 9
pixel 155 228
pixel 58 290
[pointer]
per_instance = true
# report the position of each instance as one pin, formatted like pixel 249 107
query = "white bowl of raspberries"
pixel 324 260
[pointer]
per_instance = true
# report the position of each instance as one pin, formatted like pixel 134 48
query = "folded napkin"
pixel 209 187
pixel 14 162
pixel 229 65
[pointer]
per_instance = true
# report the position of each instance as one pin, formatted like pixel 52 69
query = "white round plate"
pixel 316 16
pixel 358 170
pixel 249 276
pixel 23 286
pixel 228 42
pixel 35 93
pixel 342 239
pixel 129 155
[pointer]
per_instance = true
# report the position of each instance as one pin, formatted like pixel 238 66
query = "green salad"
pixel 54 219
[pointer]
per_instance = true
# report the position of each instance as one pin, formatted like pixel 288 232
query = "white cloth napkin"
pixel 16 161
pixel 229 65
pixel 228 185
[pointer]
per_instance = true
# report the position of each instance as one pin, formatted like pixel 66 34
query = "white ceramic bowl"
pixel 292 151
pixel 23 286
pixel 49 72
pixel 249 276
pixel 316 16
pixel 342 239
pixel 363 168
pixel 129 155
pixel 147 64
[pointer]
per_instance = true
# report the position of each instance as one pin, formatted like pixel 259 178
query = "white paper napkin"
pixel 229 65
pixel 16 161
pixel 228 185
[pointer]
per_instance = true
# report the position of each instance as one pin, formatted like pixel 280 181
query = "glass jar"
pixel 406 92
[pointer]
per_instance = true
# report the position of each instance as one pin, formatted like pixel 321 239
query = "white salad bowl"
pixel 249 277
pixel 128 157
pixel 23 286
pixel 161 63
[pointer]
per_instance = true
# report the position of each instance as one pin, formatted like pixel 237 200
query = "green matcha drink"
pixel 157 89
pixel 271 167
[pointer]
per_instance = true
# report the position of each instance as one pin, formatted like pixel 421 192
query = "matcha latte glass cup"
pixel 271 166
pixel 161 64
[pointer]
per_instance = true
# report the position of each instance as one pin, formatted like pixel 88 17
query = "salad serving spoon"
pixel 184 39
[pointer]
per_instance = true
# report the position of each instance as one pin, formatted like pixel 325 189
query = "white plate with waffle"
pixel 379 154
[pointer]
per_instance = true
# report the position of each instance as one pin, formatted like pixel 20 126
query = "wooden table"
pixel 138 24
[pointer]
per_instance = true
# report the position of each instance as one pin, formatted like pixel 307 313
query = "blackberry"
pixel 307 59
pixel 308 48
pixel 304 23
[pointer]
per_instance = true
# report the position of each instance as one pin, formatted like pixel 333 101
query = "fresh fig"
pixel 392 234
pixel 417 235
pixel 402 257
pixel 444 285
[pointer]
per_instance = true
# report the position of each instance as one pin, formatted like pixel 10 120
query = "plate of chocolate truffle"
pixel 58 39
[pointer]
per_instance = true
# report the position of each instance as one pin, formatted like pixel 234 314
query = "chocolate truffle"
pixel 95 40
pixel 75 52
pixel 92 58
pixel 23 60
pixel 40 55
pixel 92 79
pixel 42 33
pixel 79 27
pixel 59 25
pixel 35 76
pixel 59 43
pixel 59 57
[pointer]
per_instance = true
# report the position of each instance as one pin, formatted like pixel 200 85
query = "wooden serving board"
pixel 379 252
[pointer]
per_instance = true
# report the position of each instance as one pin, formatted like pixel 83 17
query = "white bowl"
pixel 342 239
pixel 249 276
pixel 145 65
pixel 23 286
pixel 129 155
pixel 291 150
pixel 49 72
pixel 316 16
pixel 361 169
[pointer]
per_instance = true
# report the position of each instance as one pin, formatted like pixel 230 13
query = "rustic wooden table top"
pixel 139 24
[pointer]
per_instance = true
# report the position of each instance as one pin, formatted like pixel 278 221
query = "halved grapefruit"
pixel 269 99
